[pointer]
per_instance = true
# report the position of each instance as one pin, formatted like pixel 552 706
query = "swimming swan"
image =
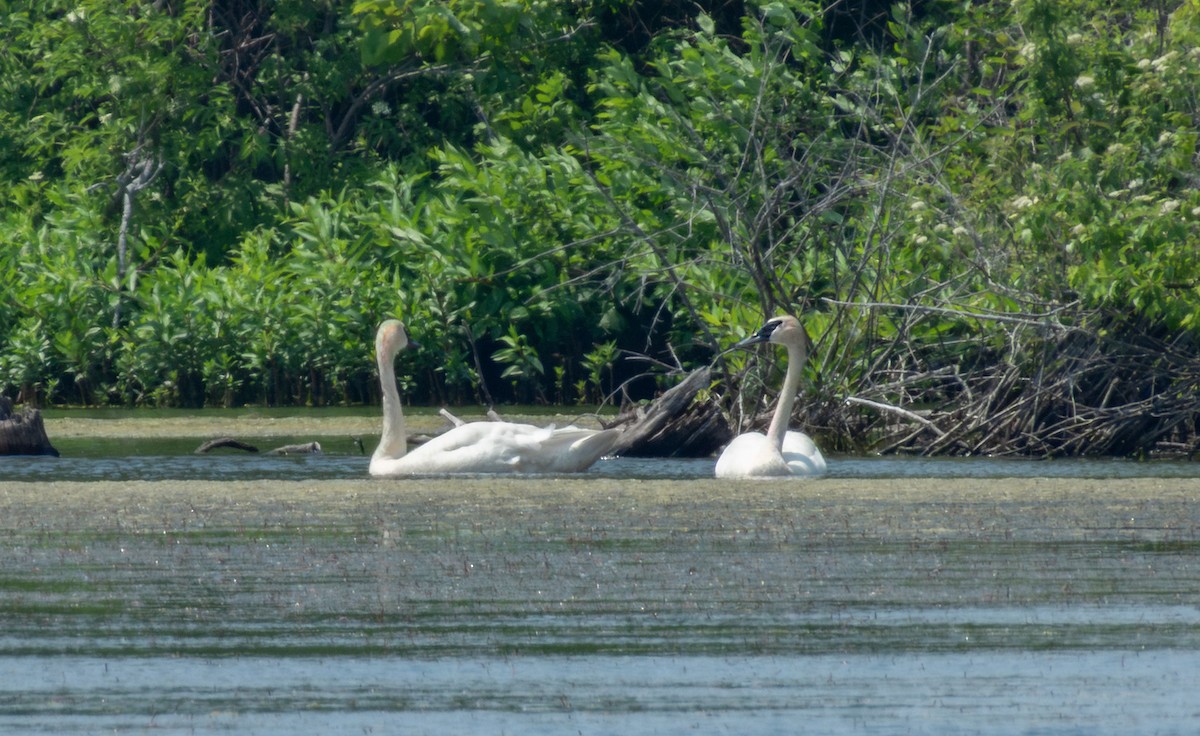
pixel 474 447
pixel 778 452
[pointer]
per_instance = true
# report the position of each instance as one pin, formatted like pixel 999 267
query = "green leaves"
pixel 538 195
pixel 457 32
pixel 27 358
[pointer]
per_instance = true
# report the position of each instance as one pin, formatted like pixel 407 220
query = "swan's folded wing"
pixel 568 450
pixel 802 455
pixel 475 447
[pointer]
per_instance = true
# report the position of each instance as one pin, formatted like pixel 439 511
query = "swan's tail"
pixel 598 443
pixel 572 449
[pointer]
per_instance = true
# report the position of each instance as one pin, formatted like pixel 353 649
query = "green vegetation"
pixel 987 213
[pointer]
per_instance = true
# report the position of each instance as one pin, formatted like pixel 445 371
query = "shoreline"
pixel 207 424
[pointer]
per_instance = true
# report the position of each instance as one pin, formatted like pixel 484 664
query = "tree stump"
pixel 675 424
pixel 23 433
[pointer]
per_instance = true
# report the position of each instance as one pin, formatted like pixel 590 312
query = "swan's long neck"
pixel 393 442
pixel 787 396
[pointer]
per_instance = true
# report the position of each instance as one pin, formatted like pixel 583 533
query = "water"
pixel 144 589
pixel 934 694
pixel 175 459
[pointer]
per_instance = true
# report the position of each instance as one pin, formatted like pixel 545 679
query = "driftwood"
pixel 23 432
pixel 228 442
pixel 306 448
pixel 675 424
pixel 454 421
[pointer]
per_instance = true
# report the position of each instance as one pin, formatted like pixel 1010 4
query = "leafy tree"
pixel 216 202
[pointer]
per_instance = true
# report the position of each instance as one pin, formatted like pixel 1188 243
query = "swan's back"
pixel 502 447
pixel 752 455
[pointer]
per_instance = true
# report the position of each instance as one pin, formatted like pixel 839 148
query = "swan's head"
pixel 783 330
pixel 391 338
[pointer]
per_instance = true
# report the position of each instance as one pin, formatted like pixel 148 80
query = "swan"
pixel 778 452
pixel 474 447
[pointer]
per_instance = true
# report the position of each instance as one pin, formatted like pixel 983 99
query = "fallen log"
pixel 675 424
pixel 23 432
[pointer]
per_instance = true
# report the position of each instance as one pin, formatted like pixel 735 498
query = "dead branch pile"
pixel 1071 393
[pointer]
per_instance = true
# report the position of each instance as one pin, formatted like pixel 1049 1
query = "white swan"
pixel 778 452
pixel 474 447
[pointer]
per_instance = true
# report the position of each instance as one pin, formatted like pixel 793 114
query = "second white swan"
pixel 474 447
pixel 778 452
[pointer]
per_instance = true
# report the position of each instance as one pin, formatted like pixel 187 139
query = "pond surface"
pixel 174 458
pixel 144 589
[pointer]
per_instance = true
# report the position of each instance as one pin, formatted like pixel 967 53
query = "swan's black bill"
pixel 763 335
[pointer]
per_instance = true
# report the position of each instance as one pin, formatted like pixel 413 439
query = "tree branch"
pixel 1029 320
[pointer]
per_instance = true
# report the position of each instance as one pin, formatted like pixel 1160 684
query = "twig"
pixel 450 417
pixel 1030 320
pixel 896 410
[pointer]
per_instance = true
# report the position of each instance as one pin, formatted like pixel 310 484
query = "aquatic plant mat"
pixel 517 564
pixel 595 605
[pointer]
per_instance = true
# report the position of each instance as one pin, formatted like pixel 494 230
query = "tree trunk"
pixel 675 424
pixel 23 433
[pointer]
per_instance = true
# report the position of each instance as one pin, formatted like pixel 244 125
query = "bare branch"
pixel 140 172
pixel 1046 320
pixel 896 410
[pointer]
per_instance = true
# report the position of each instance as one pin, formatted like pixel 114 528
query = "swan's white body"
pixel 474 447
pixel 778 452
pixel 754 455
